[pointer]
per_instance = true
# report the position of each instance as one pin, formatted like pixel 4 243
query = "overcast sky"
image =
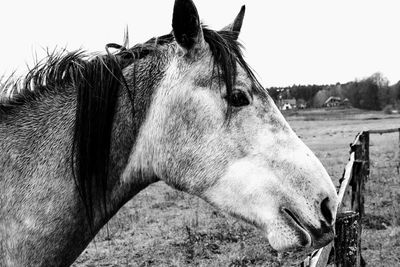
pixel 287 42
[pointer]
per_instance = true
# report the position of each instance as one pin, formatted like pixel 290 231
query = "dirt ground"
pixel 164 227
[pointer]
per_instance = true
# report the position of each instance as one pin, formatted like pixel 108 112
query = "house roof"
pixel 289 101
pixel 332 98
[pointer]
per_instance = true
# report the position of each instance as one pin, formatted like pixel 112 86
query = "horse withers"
pixel 84 135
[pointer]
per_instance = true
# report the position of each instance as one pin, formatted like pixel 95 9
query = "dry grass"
pixel 164 227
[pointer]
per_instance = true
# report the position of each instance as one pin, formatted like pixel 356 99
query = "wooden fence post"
pixel 361 172
pixel 347 239
pixel 360 177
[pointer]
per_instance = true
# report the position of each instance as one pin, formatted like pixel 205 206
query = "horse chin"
pixel 284 234
pixel 308 236
pixel 288 235
pixel 298 241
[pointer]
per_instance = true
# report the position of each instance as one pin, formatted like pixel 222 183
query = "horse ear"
pixel 186 25
pixel 236 26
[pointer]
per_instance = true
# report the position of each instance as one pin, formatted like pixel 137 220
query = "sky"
pixel 286 41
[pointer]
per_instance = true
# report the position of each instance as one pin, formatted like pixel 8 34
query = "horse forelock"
pixel 227 54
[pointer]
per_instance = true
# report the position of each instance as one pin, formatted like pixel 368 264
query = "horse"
pixel 85 133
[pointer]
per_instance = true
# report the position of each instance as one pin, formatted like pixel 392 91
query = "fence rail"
pixel 390 131
pixel 384 131
pixel 346 248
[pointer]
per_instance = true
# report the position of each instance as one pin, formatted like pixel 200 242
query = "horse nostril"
pixel 326 211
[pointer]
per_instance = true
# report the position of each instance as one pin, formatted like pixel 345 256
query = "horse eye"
pixel 238 99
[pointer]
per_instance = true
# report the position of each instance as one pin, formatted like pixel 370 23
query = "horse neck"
pixel 36 184
pixel 125 180
pixel 38 195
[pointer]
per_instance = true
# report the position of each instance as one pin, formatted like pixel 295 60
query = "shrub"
pixel 388 109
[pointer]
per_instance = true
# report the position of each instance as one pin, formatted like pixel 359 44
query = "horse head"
pixel 213 131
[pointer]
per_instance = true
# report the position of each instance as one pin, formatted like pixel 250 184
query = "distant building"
pixel 301 103
pixel 332 101
pixel 346 103
pixel 285 104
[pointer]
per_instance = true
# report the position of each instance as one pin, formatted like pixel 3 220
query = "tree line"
pixel 372 93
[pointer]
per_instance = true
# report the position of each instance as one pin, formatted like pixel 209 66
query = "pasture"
pixel 163 227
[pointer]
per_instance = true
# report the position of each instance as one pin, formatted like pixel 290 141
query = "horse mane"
pixel 97 79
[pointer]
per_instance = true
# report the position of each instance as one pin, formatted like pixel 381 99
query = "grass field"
pixel 164 227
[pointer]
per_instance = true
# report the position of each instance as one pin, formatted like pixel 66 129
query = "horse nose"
pixel 328 208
